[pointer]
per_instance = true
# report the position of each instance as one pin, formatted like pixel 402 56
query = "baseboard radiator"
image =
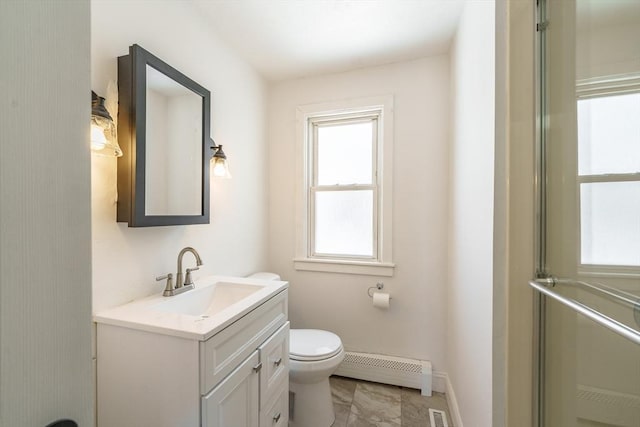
pixel 388 370
pixel 607 406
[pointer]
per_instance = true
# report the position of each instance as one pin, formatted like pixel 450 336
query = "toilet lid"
pixel 313 344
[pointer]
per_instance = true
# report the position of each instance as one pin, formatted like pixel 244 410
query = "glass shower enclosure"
pixel 588 266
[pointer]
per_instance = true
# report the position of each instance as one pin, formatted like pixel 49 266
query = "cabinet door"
pixel 274 355
pixel 275 413
pixel 234 402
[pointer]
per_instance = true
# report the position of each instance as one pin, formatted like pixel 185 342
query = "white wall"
pixel 470 284
pixel 127 260
pixel 414 325
pixel 45 261
pixel 595 56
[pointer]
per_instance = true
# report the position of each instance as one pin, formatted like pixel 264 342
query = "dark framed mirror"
pixel 163 130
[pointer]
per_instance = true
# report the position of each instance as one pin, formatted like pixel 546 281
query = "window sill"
pixel 609 271
pixel 347 267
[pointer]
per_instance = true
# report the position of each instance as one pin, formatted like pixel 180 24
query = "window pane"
pixel 344 223
pixel 345 154
pixel 610 222
pixel 609 134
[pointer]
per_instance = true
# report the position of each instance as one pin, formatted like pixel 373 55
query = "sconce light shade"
pixel 219 162
pixel 104 141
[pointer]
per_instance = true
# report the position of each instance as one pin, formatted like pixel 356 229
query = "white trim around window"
pixel 600 87
pixel 380 264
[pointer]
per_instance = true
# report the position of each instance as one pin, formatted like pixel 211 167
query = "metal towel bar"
pixel 544 286
pixel 608 291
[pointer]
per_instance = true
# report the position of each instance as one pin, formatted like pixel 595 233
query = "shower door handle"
pixel 544 286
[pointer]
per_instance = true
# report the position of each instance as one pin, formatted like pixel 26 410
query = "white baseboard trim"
pixel 452 401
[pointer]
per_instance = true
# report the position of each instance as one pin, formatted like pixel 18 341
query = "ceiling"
pixel 285 39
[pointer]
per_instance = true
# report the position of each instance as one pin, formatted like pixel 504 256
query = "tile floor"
pixel 366 404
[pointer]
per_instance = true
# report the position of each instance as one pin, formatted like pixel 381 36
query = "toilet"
pixel 313 356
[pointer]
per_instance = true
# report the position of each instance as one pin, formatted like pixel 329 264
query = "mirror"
pixel 174 147
pixel 163 129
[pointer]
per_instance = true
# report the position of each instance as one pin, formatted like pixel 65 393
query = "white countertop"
pixel 143 314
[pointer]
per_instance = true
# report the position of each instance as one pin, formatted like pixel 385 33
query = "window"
pixel 343 191
pixel 609 179
pixel 344 211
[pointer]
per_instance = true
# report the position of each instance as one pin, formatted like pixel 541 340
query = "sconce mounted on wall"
pixel 103 131
pixel 219 162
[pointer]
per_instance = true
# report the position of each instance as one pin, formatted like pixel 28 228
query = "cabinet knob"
pixel 258 367
pixel 276 418
pixel 278 362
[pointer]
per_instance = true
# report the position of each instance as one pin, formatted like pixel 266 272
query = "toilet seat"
pixel 310 345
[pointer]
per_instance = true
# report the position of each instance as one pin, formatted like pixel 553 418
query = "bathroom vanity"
pixel 216 356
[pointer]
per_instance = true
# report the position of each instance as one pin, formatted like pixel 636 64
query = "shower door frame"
pixel 540 191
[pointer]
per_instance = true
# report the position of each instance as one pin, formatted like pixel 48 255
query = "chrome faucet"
pixel 180 287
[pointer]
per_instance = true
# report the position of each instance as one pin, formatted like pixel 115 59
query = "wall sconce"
pixel 103 131
pixel 219 162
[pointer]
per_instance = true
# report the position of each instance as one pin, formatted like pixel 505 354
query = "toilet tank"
pixel 264 275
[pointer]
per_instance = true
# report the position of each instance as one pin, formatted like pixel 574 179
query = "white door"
pixel 235 401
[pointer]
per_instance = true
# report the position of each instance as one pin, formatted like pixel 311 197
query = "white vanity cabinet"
pixel 237 377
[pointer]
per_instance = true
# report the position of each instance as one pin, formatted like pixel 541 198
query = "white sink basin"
pixel 207 301
pixel 214 303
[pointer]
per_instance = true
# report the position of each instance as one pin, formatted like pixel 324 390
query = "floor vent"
pixel 388 370
pixel 438 418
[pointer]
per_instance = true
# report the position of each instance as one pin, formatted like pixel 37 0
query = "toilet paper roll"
pixel 381 300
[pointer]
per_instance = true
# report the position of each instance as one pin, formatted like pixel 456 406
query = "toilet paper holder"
pixel 379 286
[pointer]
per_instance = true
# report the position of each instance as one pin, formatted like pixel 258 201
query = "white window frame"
pixel 380 264
pixel 597 88
pixel 313 125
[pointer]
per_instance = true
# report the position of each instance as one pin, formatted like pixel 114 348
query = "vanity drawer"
pixel 274 356
pixel 275 413
pixel 223 352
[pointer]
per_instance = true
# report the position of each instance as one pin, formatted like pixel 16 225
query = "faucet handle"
pixel 188 280
pixel 168 276
pixel 169 288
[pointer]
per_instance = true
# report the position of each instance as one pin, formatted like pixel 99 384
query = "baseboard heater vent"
pixel 607 407
pixel 388 370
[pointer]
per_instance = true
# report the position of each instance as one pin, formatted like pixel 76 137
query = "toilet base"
pixel 312 404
